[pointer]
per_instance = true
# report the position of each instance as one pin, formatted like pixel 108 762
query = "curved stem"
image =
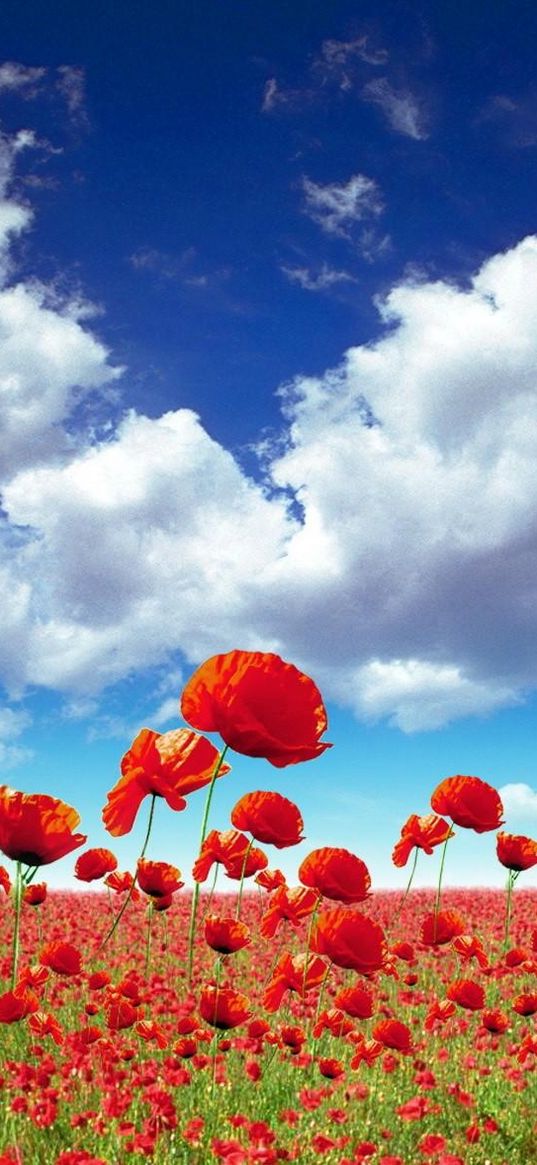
pixel 150 912
pixel 119 916
pixel 16 932
pixel 241 883
pixel 203 834
pixel 406 893
pixel 439 890
pixel 511 879
pixel 213 888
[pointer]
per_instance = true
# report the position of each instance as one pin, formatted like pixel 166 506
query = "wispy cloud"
pixel 403 111
pixel 321 280
pixel 337 206
pixel 71 83
pixel 23 79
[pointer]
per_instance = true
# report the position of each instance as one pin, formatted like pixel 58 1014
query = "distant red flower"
pixel 41 1023
pixel 97 980
pixel 158 879
pixel 393 1034
pixel 35 894
pixel 63 958
pixel 151 1032
pixel 526 1003
pixel 223 1008
pixel 5 880
pixel 494 1020
pixel 120 1013
pixel 225 934
pixel 470 802
pixel 440 929
pixel 168 765
pixel 289 905
pixel 336 873
pixel 350 939
pixel 515 851
pixel 470 947
pixel 467 993
pixel 260 705
pixel 330 1067
pixel 269 817
pixel 94 864
pixel 420 833
pixel 355 1001
pixel 36 829
pixel 334 1021
pixel 17 1004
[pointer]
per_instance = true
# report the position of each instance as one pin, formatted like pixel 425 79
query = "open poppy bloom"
pixel 420 833
pixel 94 864
pixel 355 1001
pixel 168 765
pixel 225 934
pixel 270 818
pixel 36 829
pixel 223 1007
pixel 393 1034
pixel 270 879
pixel 35 894
pixel 17 1004
pixel 226 847
pixel 63 958
pixel 287 905
pixel 516 852
pixel 470 802
pixel 350 939
pixel 442 927
pixel 467 993
pixel 298 973
pixel 260 705
pixel 336 873
pixel 158 879
pixel 121 882
pixel 254 859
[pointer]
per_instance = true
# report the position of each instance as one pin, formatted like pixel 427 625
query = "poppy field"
pixel 317 1021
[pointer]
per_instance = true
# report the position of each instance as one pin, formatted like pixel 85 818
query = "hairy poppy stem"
pixel 241 883
pixel 439 890
pixel 130 893
pixel 511 879
pixel 406 893
pixel 203 833
pixel 16 931
pixel 150 913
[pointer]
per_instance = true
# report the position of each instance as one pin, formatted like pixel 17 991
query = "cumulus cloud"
pixel 401 108
pixel 519 799
pixel 336 206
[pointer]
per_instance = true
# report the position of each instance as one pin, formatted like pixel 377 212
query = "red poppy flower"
pixel 225 934
pixel 526 1003
pixel 223 1007
pixel 355 1001
pixel 393 1034
pixel 467 993
pixel 5 880
pixel 120 1014
pixel 158 879
pixel 168 765
pixel 470 802
pixel 495 1021
pixel 41 1023
pixel 36 829
pixel 336 873
pixel 94 864
pixel 350 939
pixel 35 894
pixel 227 847
pixel 289 905
pixel 435 931
pixel 151 1032
pixel 366 1051
pixel 270 818
pixel 17 1004
pixel 260 705
pixel 270 879
pixel 298 973
pixel 63 958
pixel 420 833
pixel 254 859
pixel 330 1068
pixel 119 882
pixel 515 851
pixel 334 1021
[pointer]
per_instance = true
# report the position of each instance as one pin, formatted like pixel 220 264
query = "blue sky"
pixel 268 380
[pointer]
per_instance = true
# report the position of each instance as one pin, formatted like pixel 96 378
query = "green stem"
pixel 511 879
pixel 439 890
pixel 311 924
pixel 150 913
pixel 241 883
pixel 16 932
pixel 406 893
pixel 128 897
pixel 213 888
pixel 203 833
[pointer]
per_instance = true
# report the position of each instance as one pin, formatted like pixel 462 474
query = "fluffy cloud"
pixel 519 800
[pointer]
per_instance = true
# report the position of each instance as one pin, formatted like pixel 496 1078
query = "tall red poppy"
pixel 298 973
pixel 440 928
pixel 470 802
pixel 36 829
pixel 63 958
pixel 287 905
pixel 168 765
pixel 17 1004
pixel 158 879
pixel 260 705
pixel 393 1034
pixel 336 873
pixel 269 817
pixel 420 833
pixel 355 1001
pixel 223 1008
pixel 94 864
pixel 467 993
pixel 35 894
pixel 350 939
pixel 225 934
pixel 227 848
pixel 515 851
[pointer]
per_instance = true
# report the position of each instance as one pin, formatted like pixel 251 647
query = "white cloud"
pixel 335 207
pixel 321 280
pixel 519 800
pixel 13 723
pixel 401 108
pixel 20 78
